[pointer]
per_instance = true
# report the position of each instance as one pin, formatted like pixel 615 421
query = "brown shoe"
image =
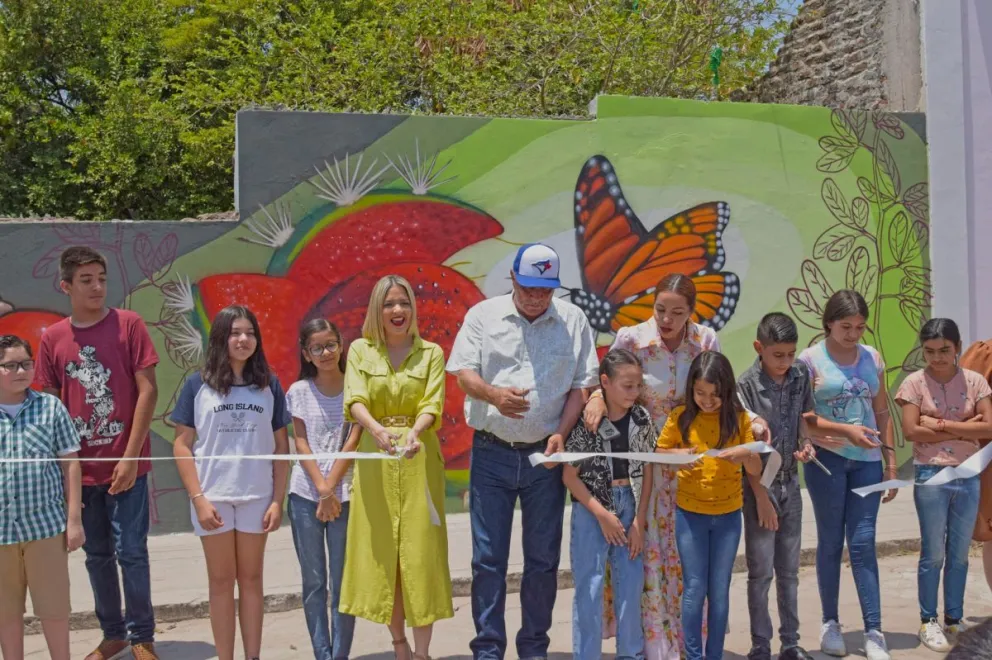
pixel 144 651
pixel 110 649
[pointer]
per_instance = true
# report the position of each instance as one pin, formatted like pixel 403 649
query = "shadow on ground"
pixel 551 656
pixel 181 650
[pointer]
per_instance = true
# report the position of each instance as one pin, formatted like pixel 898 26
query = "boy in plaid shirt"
pixel 40 511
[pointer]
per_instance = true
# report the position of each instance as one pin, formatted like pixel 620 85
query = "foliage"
pixel 878 245
pixel 125 108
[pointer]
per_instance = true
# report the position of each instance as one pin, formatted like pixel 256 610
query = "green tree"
pixel 125 108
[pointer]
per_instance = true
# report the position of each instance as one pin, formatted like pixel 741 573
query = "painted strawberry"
pixel 276 302
pixel 28 325
pixel 379 230
pixel 443 297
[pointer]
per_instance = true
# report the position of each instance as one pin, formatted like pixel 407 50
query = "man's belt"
pixel 511 445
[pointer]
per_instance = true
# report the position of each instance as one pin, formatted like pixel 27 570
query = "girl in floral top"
pixel 939 406
pixel 666 344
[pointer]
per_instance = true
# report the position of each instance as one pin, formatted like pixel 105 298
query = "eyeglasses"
pixel 318 349
pixel 11 367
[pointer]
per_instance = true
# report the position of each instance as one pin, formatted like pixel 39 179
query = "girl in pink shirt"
pixel 940 409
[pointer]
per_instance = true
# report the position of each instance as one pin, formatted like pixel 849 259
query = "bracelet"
pixel 325 497
pixel 940 425
pixel 193 498
pixel 598 394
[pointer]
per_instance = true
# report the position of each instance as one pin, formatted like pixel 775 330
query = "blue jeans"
pixel 841 514
pixel 947 519
pixel 590 553
pixel 116 528
pixel 309 538
pixel 497 477
pixel 707 549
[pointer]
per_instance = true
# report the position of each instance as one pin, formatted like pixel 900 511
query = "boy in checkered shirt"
pixel 40 511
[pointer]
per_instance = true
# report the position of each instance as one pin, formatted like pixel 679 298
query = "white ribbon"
pixel 352 455
pixel 334 455
pixel 972 467
pixel 767 477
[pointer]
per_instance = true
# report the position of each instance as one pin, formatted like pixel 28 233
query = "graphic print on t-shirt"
pixel 849 404
pixel 238 423
pixel 95 378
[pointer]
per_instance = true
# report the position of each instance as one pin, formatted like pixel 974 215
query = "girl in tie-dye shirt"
pixel 851 424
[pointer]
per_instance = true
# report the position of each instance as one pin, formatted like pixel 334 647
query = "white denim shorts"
pixel 241 516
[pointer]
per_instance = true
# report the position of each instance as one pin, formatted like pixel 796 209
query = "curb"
pixel 460 588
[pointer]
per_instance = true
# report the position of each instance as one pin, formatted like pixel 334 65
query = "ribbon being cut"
pixel 767 476
pixel 348 455
pixel 971 467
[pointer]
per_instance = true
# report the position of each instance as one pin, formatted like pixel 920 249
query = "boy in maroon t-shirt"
pixel 101 363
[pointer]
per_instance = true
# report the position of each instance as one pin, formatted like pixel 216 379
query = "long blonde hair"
pixel 372 329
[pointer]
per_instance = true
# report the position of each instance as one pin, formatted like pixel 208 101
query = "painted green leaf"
pixel 842 124
pixel 836 203
pixel 833 143
pixel 912 312
pixel 837 160
pixel 834 244
pixel 899 237
pixel 887 171
pixel 816 284
pixel 860 212
pixel 861 274
pixel 867 189
pixel 916 199
pixel 804 307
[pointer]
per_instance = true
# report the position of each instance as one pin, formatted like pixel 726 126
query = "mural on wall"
pixel 766 207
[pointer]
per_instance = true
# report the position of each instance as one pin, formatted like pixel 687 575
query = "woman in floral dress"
pixel 666 344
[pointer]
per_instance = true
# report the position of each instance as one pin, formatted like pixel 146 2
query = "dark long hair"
pixel 714 368
pixel 217 372
pixel 308 370
pixel 941 329
pixel 843 304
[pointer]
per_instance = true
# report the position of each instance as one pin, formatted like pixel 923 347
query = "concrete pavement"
pixel 285 636
pixel 179 580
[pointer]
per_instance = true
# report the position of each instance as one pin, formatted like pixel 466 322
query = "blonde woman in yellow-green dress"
pixel 396 567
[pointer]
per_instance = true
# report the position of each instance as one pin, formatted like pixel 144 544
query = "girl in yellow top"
pixel 709 497
pixel 396 566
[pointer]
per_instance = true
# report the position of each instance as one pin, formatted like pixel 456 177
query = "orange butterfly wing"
pixel 621 262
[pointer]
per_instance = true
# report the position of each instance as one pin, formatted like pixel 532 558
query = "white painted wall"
pixel 957 60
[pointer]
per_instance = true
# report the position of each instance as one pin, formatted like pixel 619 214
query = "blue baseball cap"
pixel 537 266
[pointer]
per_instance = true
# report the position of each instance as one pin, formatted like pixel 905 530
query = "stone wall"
pixel 848 54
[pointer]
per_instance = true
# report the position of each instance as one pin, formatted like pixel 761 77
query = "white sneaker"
pixel 933 637
pixel 952 631
pixel 875 647
pixel 831 641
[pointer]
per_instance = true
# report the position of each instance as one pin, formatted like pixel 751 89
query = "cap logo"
pixel 542 266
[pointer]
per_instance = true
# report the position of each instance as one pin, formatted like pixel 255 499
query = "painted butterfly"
pixel 622 262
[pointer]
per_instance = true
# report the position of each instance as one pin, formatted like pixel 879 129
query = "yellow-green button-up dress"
pixel 389 525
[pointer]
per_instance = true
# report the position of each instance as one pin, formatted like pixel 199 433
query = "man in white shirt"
pixel 523 360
